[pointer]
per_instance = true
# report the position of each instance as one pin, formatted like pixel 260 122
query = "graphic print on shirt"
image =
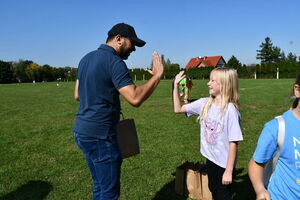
pixel 212 129
pixel 296 144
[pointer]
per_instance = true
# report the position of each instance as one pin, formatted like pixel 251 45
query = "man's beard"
pixel 124 53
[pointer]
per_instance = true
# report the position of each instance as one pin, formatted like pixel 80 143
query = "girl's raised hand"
pixel 179 77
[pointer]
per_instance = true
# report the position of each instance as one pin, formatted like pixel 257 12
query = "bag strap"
pixel 280 139
pixel 281 131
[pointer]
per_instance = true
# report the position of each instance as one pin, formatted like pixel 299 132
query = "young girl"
pixel 220 128
pixel 285 181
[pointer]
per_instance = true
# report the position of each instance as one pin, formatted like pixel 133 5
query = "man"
pixel 102 76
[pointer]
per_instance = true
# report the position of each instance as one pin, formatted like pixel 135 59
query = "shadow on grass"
pixel 167 193
pixel 32 190
pixel 242 189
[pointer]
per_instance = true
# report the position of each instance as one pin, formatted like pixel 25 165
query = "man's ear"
pixel 297 91
pixel 119 39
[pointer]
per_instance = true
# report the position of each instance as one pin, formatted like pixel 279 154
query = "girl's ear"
pixel 297 91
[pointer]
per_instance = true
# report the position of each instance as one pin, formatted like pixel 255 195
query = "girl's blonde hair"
pixel 228 80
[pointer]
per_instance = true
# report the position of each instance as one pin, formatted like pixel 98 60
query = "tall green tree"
pixel 242 71
pixel 282 56
pixel 19 70
pixel 171 69
pixel 59 73
pixel 168 62
pixel 70 73
pixel 265 53
pixel 233 62
pixel 276 54
pixel 6 72
pixel 269 53
pixel 291 57
pixel 33 71
pixel 47 73
pixel 169 66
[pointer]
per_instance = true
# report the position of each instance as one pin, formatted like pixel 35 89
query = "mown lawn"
pixel 39 160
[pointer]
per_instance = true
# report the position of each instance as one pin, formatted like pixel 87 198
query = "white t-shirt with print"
pixel 216 132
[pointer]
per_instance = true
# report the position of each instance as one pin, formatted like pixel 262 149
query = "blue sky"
pixel 61 32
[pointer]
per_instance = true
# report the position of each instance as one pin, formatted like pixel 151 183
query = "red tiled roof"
pixel 205 61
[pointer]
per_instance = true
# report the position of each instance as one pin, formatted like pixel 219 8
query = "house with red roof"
pixel 211 61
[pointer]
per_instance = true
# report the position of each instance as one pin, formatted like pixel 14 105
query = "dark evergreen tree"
pixel 265 53
pixel 171 69
pixel 282 57
pixel 168 62
pixel 233 62
pixel 276 54
pixel 291 57
pixel 269 53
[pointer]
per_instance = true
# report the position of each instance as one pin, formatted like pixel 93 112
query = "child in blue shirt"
pixel 285 181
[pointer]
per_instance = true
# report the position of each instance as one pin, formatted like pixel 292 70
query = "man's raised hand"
pixel 157 65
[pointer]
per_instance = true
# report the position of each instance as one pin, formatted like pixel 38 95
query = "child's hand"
pixel 263 195
pixel 227 178
pixel 179 77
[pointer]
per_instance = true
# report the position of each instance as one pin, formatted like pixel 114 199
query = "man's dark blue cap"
pixel 127 31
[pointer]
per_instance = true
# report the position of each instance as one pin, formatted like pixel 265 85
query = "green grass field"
pixel 39 160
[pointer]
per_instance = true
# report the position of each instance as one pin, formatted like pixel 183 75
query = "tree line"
pixel 28 71
pixel 272 59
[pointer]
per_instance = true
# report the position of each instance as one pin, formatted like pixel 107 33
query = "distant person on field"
pixel 220 128
pixel 102 76
pixel 185 87
pixel 181 87
pixel 285 180
pixel 58 82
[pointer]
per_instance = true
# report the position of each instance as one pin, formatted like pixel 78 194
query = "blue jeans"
pixel 104 161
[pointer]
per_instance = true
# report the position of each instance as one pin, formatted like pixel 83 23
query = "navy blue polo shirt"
pixel 101 74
